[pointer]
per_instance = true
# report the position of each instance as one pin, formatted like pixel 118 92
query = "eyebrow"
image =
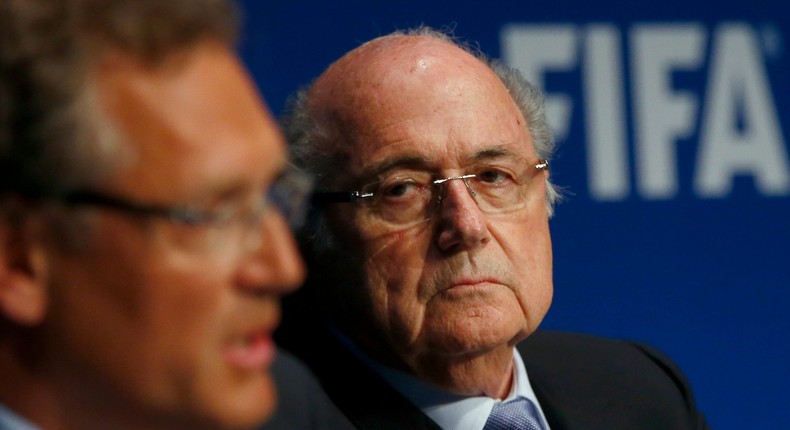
pixel 418 162
pixel 495 152
pixel 398 162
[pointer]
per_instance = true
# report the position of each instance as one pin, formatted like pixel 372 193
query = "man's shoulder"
pixel 547 342
pixel 302 403
pixel 577 376
pixel 576 352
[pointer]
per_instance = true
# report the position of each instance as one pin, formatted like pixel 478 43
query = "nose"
pixel 461 224
pixel 275 266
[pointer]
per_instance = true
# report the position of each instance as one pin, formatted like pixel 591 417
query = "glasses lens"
pixel 400 199
pixel 199 238
pixel 290 195
pixel 497 190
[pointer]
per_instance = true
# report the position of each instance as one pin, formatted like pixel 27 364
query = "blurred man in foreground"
pixel 432 254
pixel 143 204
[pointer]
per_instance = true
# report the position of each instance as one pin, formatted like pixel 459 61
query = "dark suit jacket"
pixel 582 383
pixel 302 404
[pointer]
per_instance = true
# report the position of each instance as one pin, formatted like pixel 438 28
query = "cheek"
pixel 528 247
pixel 393 269
pixel 540 289
pixel 143 322
pixel 184 312
pixel 393 260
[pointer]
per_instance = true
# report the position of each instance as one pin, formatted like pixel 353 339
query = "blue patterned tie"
pixel 518 414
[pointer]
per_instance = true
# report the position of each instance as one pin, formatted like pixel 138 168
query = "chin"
pixel 243 407
pixel 456 329
pixel 472 337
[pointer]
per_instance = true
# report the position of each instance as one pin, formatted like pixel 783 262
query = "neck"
pixel 489 374
pixel 25 389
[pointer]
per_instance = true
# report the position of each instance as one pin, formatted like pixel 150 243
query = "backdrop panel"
pixel 672 119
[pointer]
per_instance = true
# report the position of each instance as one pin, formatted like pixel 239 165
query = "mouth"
pixel 470 284
pixel 254 351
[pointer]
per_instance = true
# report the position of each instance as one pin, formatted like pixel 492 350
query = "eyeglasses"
pixel 413 197
pixel 197 229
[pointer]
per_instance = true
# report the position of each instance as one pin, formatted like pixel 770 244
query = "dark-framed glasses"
pixel 199 228
pixel 410 197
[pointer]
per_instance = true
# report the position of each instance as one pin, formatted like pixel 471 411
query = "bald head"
pixel 378 82
pixel 382 69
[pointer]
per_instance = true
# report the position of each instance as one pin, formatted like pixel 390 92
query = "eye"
pixel 201 218
pixel 191 217
pixel 493 176
pixel 400 188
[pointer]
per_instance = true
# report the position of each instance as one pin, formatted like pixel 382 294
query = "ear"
pixel 23 297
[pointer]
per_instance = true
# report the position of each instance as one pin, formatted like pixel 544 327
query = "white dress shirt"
pixel 11 421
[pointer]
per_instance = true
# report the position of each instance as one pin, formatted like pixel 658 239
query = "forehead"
pixel 193 122
pixel 430 100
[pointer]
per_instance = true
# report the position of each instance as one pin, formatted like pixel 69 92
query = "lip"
pixel 253 352
pixel 471 282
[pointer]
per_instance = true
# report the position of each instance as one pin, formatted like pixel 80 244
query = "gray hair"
pixel 53 136
pixel 305 133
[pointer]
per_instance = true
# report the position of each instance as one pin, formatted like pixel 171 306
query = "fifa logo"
pixel 668 89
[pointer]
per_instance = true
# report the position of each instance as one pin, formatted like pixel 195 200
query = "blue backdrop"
pixel 673 121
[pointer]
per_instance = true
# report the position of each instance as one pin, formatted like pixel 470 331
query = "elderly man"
pixel 433 254
pixel 143 247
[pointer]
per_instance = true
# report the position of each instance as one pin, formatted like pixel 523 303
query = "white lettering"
pixel 534 49
pixel 739 130
pixel 662 115
pixel 607 162
pixel 739 93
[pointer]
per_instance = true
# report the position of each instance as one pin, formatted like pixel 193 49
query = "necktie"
pixel 518 414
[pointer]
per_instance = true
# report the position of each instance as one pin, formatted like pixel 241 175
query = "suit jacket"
pixel 582 383
pixel 302 404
